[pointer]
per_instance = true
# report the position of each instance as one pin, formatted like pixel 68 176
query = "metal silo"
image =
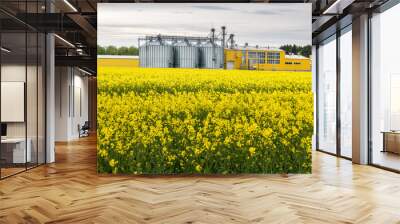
pixel 156 54
pixel 185 55
pixel 142 56
pixel 211 55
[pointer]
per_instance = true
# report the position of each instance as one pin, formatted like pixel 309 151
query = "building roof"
pixel 251 48
pixel 293 56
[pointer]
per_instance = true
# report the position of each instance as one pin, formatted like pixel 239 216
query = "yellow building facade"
pixel 265 59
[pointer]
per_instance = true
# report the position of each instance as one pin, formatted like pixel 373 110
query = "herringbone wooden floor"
pixel 70 191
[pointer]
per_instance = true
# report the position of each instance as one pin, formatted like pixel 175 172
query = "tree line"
pixel 132 50
pixel 298 50
pixel 113 50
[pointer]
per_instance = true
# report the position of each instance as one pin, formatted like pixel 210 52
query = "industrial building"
pixel 270 59
pixel 162 51
pixel 180 52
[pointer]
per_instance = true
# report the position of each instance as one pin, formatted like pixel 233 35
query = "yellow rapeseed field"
pixel 169 121
pixel 118 62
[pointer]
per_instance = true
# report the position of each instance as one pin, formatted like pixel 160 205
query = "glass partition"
pixel 22 88
pixel 327 95
pixel 41 97
pixel 31 98
pixel 346 92
pixel 13 95
pixel 385 89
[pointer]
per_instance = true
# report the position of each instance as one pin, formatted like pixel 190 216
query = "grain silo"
pixel 142 56
pixel 211 55
pixel 155 53
pixel 163 51
pixel 185 55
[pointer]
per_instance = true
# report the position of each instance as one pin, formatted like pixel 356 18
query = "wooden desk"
pixel 391 141
pixel 13 150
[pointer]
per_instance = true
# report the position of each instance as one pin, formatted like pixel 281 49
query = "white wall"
pixel 71 102
pixel 81 84
pixel 13 72
pixel 62 83
pixel 50 93
pixel 360 89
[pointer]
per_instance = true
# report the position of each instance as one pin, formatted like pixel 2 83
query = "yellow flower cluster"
pixel 167 121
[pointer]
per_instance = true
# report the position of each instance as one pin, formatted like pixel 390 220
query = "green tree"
pixel 298 50
pixel 123 51
pixel 287 48
pixel 101 50
pixel 111 50
pixel 133 50
pixel 306 51
pixel 293 49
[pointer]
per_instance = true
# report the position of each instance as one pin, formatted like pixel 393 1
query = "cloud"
pixel 255 23
pixel 265 12
pixel 211 7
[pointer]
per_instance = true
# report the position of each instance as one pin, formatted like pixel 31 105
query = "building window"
pixel 257 57
pixel 243 57
pixel 261 57
pixel 273 57
pixel 252 55
pixel 385 89
pixel 345 94
pixel 327 96
pixel 253 61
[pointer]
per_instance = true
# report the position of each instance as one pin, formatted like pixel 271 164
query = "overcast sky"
pixel 262 24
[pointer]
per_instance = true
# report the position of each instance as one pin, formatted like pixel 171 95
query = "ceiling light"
pixel 70 5
pixel 5 50
pixel 84 71
pixel 64 40
pixel 338 6
pixel 79 51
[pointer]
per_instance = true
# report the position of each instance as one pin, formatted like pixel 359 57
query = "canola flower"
pixel 252 150
pixel 168 121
